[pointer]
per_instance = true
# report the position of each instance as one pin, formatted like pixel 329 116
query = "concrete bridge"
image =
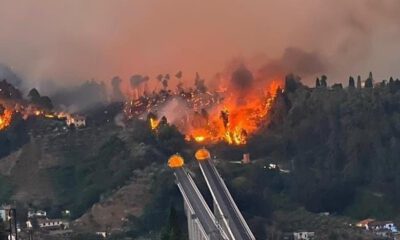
pixel 227 221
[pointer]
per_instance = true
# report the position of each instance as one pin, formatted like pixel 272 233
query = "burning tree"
pixel 5 117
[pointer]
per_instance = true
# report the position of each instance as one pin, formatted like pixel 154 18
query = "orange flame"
pixel 153 123
pixel 236 118
pixel 5 119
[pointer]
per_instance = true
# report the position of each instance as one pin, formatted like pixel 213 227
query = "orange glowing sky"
pixel 73 40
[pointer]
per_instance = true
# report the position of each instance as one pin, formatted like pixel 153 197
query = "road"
pixel 222 196
pixel 197 202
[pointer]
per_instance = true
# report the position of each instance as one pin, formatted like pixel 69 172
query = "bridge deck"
pixel 197 203
pixel 221 195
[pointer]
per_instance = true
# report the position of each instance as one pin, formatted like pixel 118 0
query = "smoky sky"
pixel 67 41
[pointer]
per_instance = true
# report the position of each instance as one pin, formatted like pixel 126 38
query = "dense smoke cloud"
pixel 71 41
pixel 9 75
pixel 242 79
pixel 297 61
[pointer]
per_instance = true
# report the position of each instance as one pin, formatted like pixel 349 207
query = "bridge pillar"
pixel 193 225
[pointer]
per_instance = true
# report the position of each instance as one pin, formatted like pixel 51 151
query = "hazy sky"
pixel 73 40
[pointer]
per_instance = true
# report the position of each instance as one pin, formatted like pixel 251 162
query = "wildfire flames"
pixel 7 111
pixel 207 117
pixel 234 119
pixel 5 119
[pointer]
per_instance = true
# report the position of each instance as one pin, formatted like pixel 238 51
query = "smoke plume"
pixel 71 41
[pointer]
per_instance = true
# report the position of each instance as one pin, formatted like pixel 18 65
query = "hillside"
pixel 338 148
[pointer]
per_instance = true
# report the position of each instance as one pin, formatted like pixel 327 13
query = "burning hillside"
pixel 231 113
pixel 234 118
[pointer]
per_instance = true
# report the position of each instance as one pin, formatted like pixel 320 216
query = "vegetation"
pixel 41 101
pixel 3 230
pixel 14 136
pixel 87 178
pixel 163 214
pixel 172 231
pixel 338 147
pixel 341 145
pixel 5 189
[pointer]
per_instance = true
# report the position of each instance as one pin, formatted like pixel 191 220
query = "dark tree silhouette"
pixel 317 83
pixel 173 230
pixel 324 82
pixel 358 82
pixel 351 82
pixel 369 83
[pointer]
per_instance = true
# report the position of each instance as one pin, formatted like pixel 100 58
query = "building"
pixel 364 223
pixel 385 229
pixel 8 214
pixel 299 235
pixel 303 235
pixel 37 214
pixel 52 224
pixel 386 225
pixel 77 121
pixel 246 158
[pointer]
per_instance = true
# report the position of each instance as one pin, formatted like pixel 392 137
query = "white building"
pixel 77 121
pixel 378 226
pixel 51 224
pixel 303 235
pixel 37 214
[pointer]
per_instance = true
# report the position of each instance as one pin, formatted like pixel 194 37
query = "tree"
pixel 292 83
pixel 172 231
pixel 42 101
pixel 3 231
pixel 351 82
pixel 116 88
pixel 45 102
pixel 370 81
pixel 317 83
pixel 337 86
pixel 358 82
pixel 324 82
pixel 34 95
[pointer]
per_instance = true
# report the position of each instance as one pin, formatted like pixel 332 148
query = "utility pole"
pixel 11 215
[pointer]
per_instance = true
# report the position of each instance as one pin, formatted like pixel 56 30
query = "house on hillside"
pixel 303 235
pixel 364 223
pixel 386 225
pixel 37 214
pixel 52 224
pixel 386 229
pixel 48 224
pixel 77 121
pixel 299 235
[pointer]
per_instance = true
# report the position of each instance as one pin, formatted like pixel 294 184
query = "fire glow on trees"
pixel 207 117
pixel 234 119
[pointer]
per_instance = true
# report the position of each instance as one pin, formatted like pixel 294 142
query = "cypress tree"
pixel 324 83
pixel 369 83
pixel 173 230
pixel 317 83
pixel 358 82
pixel 351 82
